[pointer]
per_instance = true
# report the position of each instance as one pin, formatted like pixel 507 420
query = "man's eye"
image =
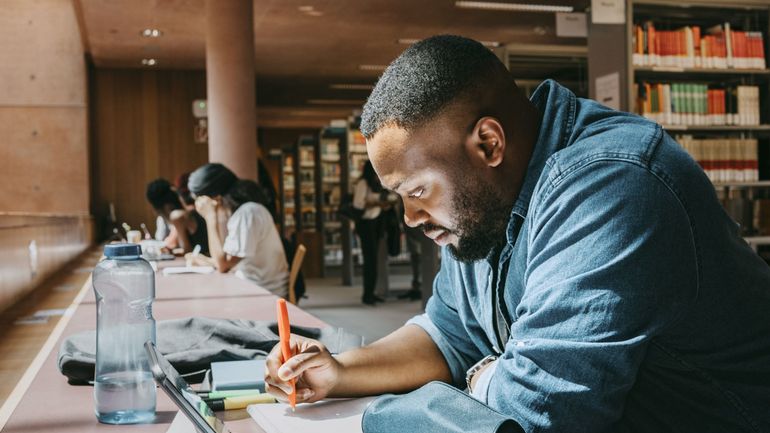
pixel 417 194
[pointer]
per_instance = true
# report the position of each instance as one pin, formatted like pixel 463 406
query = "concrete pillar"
pixel 230 86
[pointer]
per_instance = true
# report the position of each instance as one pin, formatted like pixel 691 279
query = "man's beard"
pixel 481 216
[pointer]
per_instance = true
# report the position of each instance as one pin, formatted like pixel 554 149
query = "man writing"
pixel 590 280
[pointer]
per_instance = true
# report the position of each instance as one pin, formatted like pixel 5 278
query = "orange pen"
pixel 284 333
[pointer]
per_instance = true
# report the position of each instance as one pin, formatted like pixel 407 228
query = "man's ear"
pixel 488 141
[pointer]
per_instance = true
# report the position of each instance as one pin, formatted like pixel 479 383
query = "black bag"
pixel 347 210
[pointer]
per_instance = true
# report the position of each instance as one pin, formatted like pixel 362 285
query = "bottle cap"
pixel 122 250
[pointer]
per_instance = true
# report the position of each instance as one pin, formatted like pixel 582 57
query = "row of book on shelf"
pixel 698 104
pixel 717 47
pixel 724 159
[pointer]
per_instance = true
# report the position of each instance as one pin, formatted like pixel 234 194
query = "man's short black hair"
pixel 159 194
pixel 425 78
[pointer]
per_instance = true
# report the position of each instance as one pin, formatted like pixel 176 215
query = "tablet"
pixel 182 394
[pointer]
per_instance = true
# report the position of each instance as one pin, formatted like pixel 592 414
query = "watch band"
pixel 475 369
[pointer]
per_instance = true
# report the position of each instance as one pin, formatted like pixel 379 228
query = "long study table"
pixel 43 401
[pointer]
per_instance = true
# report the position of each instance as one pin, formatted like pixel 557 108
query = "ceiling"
pixel 299 54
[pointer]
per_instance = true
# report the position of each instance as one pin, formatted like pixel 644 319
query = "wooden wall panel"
pixel 42 56
pixel 58 240
pixel 43 116
pixel 141 129
pixel 43 160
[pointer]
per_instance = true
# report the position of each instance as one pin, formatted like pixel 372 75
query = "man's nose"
pixel 414 216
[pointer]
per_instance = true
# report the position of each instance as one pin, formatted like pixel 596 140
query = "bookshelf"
pixel 300 200
pixel 287 188
pixel 332 144
pixel 698 67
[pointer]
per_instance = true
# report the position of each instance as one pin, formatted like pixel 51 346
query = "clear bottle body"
pixel 124 390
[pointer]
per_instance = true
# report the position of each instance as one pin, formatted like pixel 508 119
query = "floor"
pixel 341 306
pixel 26 328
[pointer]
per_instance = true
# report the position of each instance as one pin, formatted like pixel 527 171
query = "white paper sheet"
pixel 332 416
pixel 174 270
pixel 608 90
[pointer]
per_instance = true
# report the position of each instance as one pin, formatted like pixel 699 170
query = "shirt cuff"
pixel 451 355
pixel 481 389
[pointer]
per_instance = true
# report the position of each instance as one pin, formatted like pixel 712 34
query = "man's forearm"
pixel 404 360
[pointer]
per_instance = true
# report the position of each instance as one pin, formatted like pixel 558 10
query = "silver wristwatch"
pixel 476 367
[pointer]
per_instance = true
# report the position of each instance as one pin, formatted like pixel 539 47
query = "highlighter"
pixel 231 403
pixel 284 333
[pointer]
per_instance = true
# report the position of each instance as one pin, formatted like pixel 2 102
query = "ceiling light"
pixel 351 86
pixel 305 9
pixel 336 101
pixel 489 44
pixel 149 62
pixel 372 67
pixel 151 33
pixel 520 7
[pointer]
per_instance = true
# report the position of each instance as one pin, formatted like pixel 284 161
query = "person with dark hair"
pixel 175 225
pixel 590 280
pixel 252 247
pixel 180 183
pixel 368 198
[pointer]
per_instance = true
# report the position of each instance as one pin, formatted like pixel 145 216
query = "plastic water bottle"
pixel 124 283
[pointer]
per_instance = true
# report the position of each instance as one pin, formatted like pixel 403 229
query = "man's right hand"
pixel 315 370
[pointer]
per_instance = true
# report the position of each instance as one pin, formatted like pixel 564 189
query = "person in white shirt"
pixel 252 247
pixel 369 197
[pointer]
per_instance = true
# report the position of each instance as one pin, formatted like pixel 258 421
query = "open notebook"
pixel 332 416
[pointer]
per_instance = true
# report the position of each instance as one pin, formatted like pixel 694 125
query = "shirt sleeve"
pixel 447 329
pixel 241 229
pixel 612 263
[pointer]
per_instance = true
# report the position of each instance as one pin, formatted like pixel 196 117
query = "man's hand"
pixel 315 370
pixel 206 207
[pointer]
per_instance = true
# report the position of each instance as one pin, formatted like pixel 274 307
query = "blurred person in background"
pixel 368 197
pixel 252 246
pixel 176 226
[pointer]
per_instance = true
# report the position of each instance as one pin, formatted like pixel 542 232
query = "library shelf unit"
pixel 332 145
pixel 696 62
pixel 300 198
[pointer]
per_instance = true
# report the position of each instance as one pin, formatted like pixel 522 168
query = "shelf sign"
pixel 571 25
pixel 608 90
pixel 608 11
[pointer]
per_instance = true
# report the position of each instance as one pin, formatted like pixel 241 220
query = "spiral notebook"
pixel 332 416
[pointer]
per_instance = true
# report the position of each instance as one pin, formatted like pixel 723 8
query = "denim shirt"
pixel 630 301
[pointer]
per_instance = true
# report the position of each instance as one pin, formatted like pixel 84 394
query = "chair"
pixel 296 265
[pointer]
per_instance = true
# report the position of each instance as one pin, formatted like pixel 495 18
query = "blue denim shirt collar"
pixel 556 105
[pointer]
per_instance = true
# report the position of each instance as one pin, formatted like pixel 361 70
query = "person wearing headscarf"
pixel 252 246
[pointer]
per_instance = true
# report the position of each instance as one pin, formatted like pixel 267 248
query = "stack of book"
pixel 719 47
pixel 698 104
pixel 724 159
